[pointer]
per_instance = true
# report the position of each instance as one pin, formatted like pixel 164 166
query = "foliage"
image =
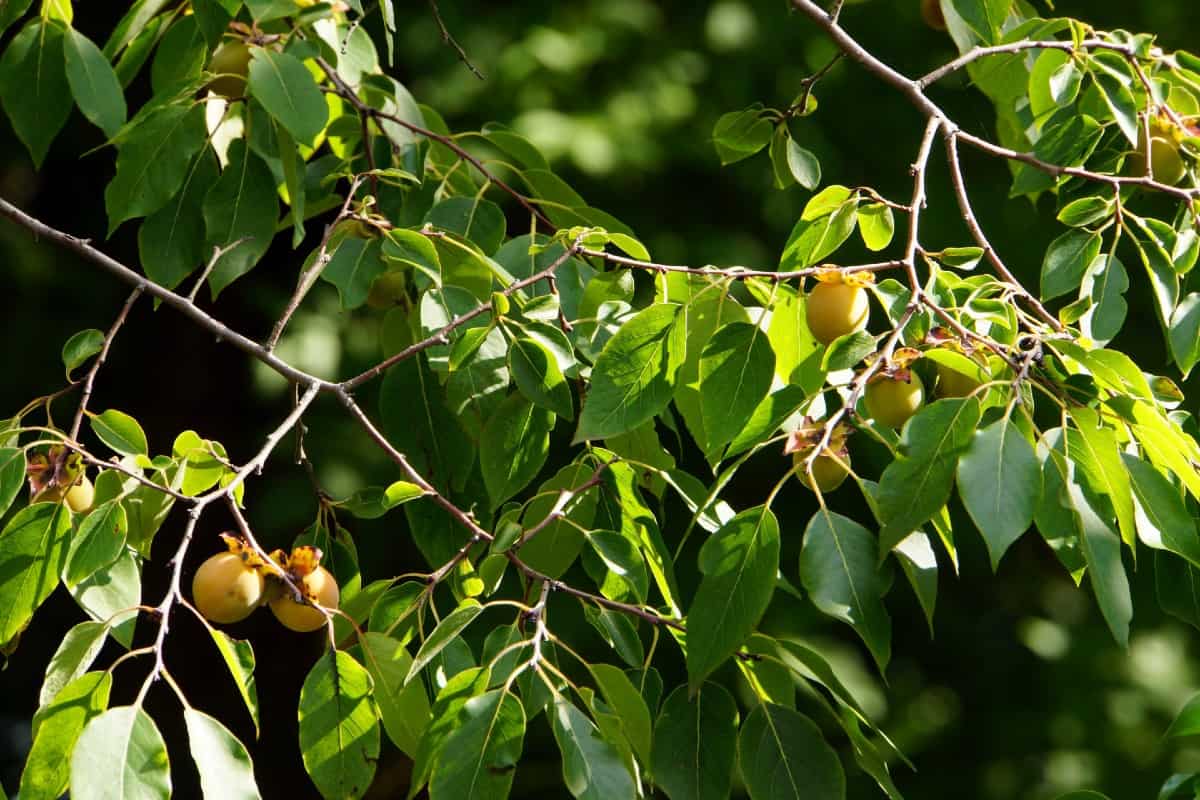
pixel 544 378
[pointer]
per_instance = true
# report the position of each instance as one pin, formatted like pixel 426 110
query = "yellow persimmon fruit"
pixel 226 588
pixel 891 401
pixel 834 309
pixel 230 63
pixel 828 472
pixel 81 496
pixel 318 586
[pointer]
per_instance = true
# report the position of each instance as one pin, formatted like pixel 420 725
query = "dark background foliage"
pixel 1020 694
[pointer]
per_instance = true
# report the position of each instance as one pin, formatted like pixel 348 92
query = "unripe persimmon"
pixel 1166 160
pixel 230 63
pixel 892 400
pixel 952 383
pixel 320 587
pixel 226 588
pixel 79 497
pixel 834 309
pixel 828 472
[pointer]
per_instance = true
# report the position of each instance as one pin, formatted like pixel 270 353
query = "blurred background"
pixel 1021 693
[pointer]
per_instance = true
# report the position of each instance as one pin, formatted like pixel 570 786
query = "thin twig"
pixel 310 275
pixel 222 332
pixel 90 380
pixel 348 94
pixel 968 215
pixel 452 42
pixel 174 590
pixel 441 336
pixel 218 254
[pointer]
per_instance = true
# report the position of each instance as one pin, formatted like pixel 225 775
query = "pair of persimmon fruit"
pixel 229 586
pixel 839 305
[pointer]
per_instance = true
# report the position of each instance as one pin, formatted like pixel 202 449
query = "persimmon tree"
pixel 543 377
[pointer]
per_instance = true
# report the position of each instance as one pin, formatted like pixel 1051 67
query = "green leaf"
pixel 33 550
pixel 120 754
pixel 154 157
pixel 629 706
pixel 619 633
pixel 11 11
pixel 120 432
pixel 73 657
pixel 93 83
pixel 1085 210
pixel 12 476
pixel 1187 721
pixel 839 569
pixel 99 541
pixel 513 447
pixel 1105 284
pixel 737 366
pixel 1067 259
pixel 695 744
pixel 404 708
pixel 33 86
pixel 416 418
pixel 293 181
pixel 239 658
pixel 738 564
pixel 1095 449
pixel 919 562
pixel 964 258
pixel 479 221
pixel 1000 482
pixel 846 351
pixel 1120 102
pixel 768 417
pixel 621 571
pixel 289 93
pixel 243 207
pixel 115 590
pixel 556 546
pixel 80 347
pixel 592 767
pixel 1177 586
pixel 1102 551
pixel 354 266
pixel 225 768
pixel 267 10
pixel 782 755
pixel 447 709
pixel 985 17
pixel 1184 333
pixel 814 238
pixel 792 162
pixel 171 240
pixel 634 377
pixel 741 134
pixel 180 55
pixel 877 225
pixel 917 484
pixel 447 630
pixel 479 757
pixel 339 726
pixel 1162 519
pixel 56 728
pixel 538 376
